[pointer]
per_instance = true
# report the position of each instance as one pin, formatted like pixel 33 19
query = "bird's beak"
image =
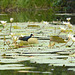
pixel 32 35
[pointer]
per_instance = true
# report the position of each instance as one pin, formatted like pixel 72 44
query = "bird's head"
pixel 31 35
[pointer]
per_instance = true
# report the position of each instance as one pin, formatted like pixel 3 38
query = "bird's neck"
pixel 30 36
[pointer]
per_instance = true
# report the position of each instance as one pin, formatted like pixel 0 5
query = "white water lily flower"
pixel 73 39
pixel 70 36
pixel 3 22
pixel 66 23
pixel 45 22
pixel 11 19
pixel 68 19
pixel 63 29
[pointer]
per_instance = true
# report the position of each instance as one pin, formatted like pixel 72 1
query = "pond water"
pixel 35 59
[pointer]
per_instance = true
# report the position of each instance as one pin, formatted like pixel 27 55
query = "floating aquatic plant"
pixel 16 51
pixel 57 39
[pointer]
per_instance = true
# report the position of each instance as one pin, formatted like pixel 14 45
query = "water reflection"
pixel 41 69
pixel 46 15
pixel 28 16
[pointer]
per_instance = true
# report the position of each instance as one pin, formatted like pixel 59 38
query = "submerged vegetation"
pixel 59 5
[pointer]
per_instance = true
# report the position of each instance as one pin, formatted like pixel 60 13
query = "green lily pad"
pixel 34 26
pixel 57 39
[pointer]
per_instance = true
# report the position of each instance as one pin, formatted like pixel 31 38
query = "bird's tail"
pixel 20 38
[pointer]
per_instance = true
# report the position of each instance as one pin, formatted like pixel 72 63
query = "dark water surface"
pixel 41 69
pixel 36 16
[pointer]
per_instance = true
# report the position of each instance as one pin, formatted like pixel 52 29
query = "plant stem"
pixel 10 27
pixel 65 43
pixel 72 44
pixel 4 40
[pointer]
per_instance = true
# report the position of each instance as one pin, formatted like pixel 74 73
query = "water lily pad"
pixel 33 26
pixel 57 39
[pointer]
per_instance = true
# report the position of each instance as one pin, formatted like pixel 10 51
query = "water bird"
pixel 25 38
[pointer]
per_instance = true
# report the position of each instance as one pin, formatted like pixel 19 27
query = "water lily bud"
pixel 11 19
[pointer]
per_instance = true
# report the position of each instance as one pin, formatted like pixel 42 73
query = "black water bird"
pixel 25 38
